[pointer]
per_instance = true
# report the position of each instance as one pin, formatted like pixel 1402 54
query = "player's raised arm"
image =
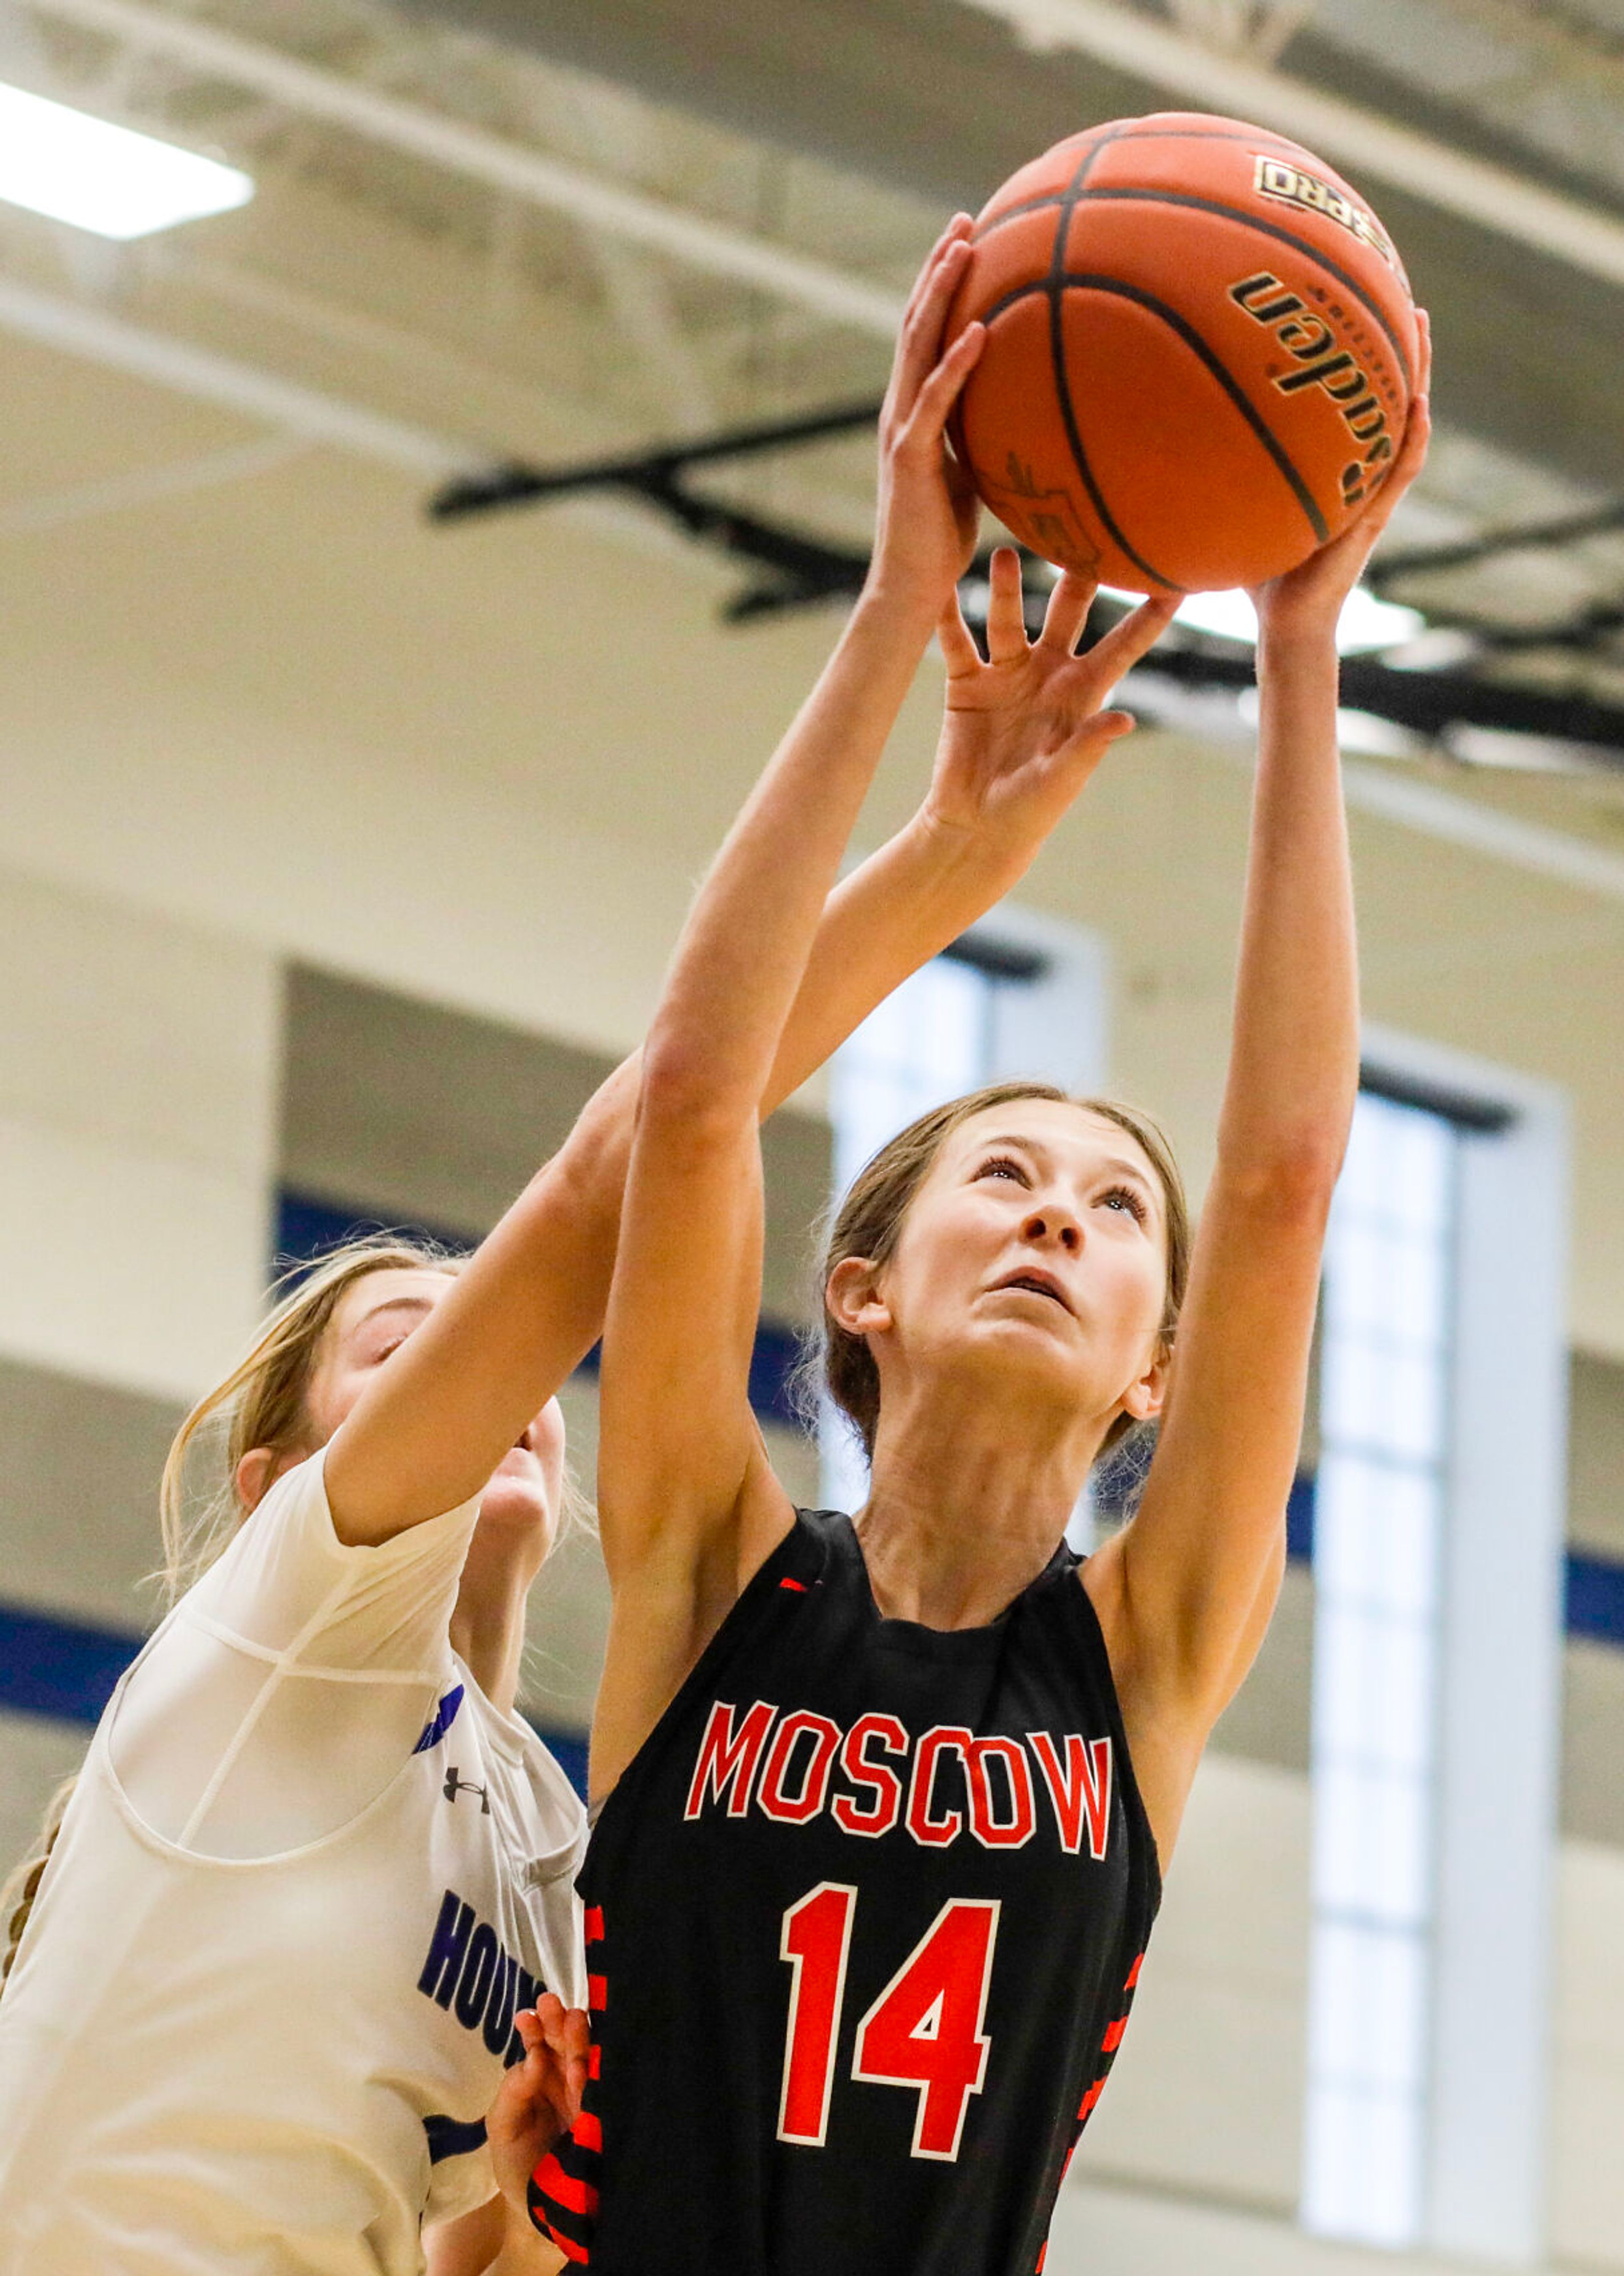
pixel 687 1504
pixel 531 1304
pixel 1180 1586
pixel 678 1442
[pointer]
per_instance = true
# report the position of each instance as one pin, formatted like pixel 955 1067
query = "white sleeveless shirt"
pixel 266 1992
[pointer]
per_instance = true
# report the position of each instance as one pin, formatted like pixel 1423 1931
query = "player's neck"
pixel 488 1628
pixel 962 1515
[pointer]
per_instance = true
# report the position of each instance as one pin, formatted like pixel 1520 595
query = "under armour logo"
pixel 454 1786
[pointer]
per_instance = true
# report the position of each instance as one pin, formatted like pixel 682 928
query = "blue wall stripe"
pixel 50 1665
pixel 1300 1518
pixel 67 1669
pixel 1594 1594
pixel 64 1668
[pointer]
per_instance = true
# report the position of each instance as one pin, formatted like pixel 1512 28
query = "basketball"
pixel 1200 352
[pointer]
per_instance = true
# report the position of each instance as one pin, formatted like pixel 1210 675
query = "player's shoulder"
pixel 821 1549
pixel 505 1742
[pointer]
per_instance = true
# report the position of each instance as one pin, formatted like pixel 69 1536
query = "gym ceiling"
pixel 490 231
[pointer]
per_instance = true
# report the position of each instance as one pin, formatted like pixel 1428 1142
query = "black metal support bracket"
pixel 795 568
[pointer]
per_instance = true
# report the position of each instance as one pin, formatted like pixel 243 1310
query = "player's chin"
pixel 516 1498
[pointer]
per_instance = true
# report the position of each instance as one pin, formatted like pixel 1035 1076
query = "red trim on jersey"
pixel 566 2245
pixel 1133 1973
pixel 1113 2034
pixel 592 1925
pixel 562 2189
pixel 800 1587
pixel 598 1993
pixel 595 2056
pixel 589 2131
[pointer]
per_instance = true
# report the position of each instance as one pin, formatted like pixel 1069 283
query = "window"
pixel 1377 1531
pixel 1438 1524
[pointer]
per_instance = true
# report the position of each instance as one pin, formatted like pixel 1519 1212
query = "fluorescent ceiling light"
pixel 1365 623
pixel 70 167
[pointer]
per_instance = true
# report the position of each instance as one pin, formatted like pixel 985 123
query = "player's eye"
pixel 1124 1197
pixel 1004 1166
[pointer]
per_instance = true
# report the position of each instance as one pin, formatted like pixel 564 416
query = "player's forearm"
pixel 1295 1063
pixel 742 958
pixel 901 907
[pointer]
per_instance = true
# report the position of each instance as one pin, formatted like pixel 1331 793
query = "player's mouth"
pixel 1039 1283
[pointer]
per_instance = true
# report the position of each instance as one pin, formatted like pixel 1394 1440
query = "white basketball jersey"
pixel 215 2063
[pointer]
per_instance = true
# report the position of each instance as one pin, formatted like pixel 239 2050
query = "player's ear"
pixel 258 1471
pixel 851 1297
pixel 1147 1395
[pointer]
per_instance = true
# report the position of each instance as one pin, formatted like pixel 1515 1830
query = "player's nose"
pixel 1050 1221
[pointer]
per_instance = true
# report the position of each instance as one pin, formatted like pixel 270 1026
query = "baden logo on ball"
pixel 1200 347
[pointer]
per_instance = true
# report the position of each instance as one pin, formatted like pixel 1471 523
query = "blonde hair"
pixel 262 1402
pixel 21 1884
pixel 870 1220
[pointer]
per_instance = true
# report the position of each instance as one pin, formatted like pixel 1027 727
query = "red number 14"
pixel 925 2030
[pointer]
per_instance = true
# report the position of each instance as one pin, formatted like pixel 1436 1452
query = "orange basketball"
pixel 1200 351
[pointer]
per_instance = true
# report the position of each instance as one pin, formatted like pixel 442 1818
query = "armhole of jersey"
pixel 803 1546
pixel 1082 1617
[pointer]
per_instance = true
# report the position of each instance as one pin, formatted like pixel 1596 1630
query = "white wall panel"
pixel 38 1753
pixel 1102 2231
pixel 1587 2129
pixel 138 1072
pixel 1205 2101
pixel 1206 2094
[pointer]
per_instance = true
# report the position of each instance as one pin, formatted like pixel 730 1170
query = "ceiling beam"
pixel 98 337
pixel 512 168
pixel 1492 196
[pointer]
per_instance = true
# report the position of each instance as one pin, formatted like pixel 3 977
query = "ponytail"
pixel 21 1885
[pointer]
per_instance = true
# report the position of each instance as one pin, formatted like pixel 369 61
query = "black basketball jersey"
pixel 864 1916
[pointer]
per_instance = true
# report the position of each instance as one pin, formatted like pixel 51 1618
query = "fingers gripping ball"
pixel 1200 353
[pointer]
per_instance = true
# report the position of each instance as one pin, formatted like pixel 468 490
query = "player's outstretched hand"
pixel 1307 600
pixel 927 515
pixel 540 2097
pixel 1024 729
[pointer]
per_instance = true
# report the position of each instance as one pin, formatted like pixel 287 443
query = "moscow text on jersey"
pixel 946 1785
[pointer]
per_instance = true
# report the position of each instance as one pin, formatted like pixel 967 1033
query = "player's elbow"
pixel 685 1095
pixel 1292 1175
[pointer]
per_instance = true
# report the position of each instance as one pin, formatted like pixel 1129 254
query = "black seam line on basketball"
pixel 1228 213
pixel 1265 228
pixel 1173 134
pixel 1192 340
pixel 1054 287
